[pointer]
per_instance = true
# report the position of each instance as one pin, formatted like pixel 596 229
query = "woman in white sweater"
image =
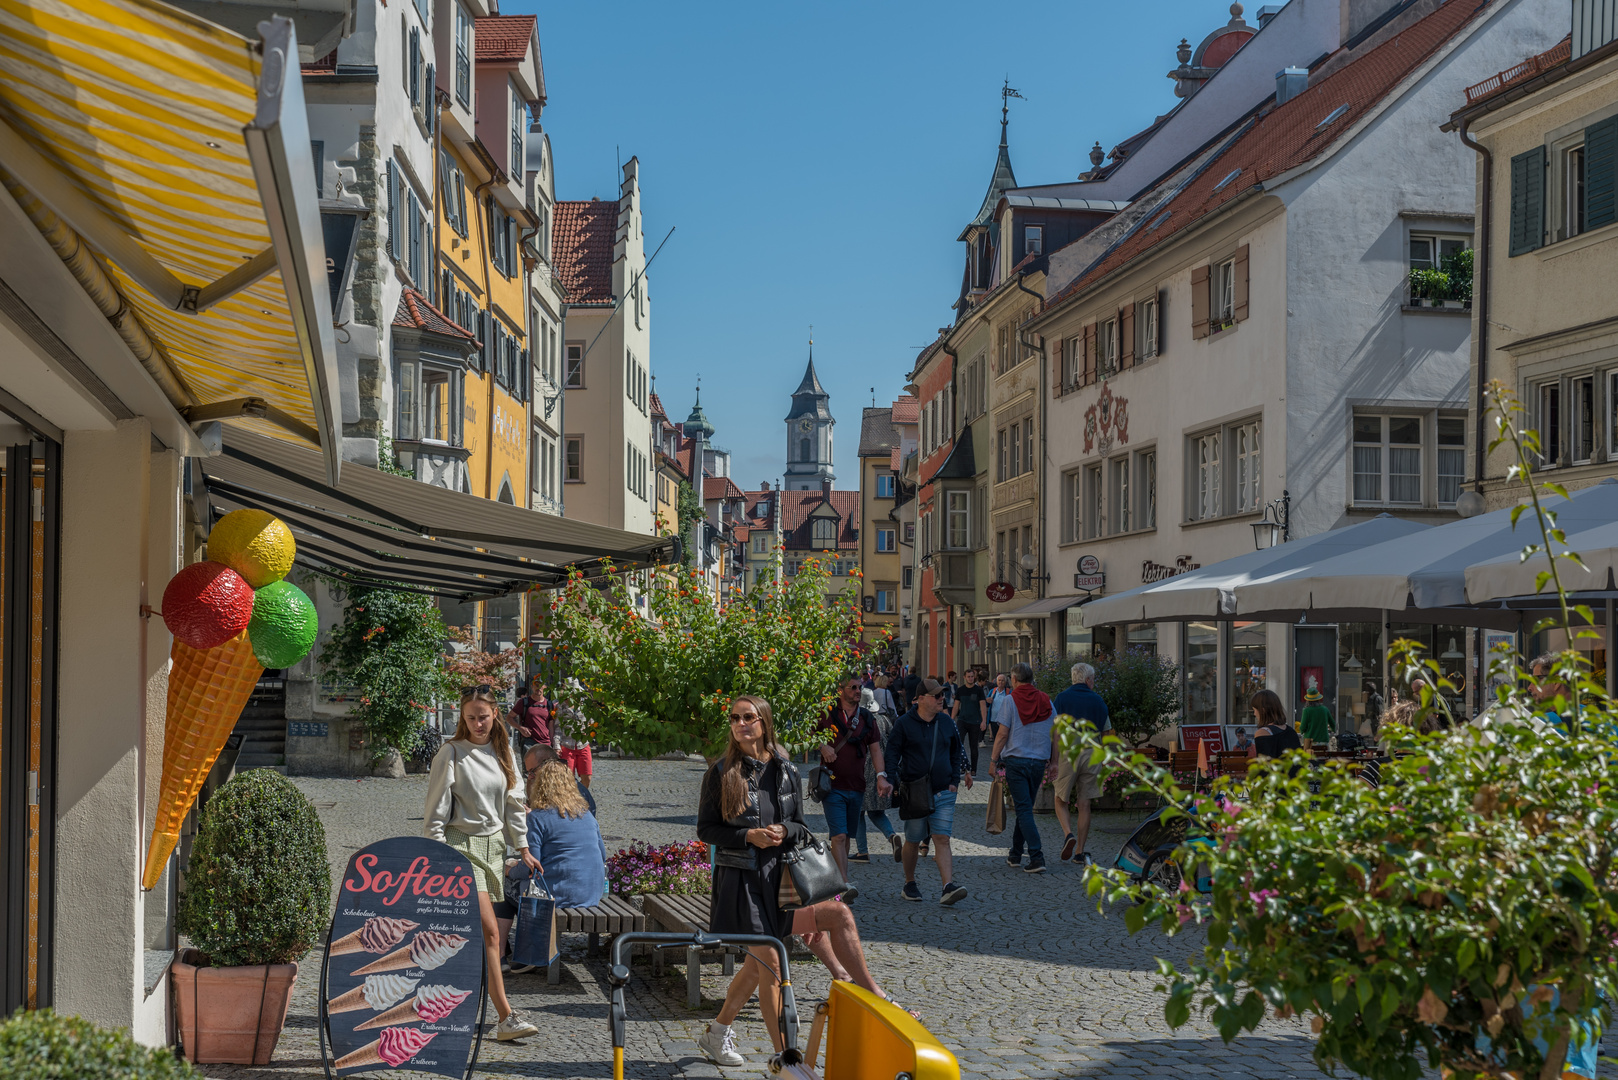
pixel 475 805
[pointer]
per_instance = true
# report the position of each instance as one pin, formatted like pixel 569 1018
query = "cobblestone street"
pixel 1021 979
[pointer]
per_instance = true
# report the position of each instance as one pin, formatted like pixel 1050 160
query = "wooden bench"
pixel 614 915
pixel 678 913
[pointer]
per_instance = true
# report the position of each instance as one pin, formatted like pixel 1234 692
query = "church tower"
pixel 809 423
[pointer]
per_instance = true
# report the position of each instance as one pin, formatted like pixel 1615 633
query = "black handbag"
pixel 811 876
pixel 915 797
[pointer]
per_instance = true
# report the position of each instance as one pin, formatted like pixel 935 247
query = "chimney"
pixel 1289 83
pixel 764 485
pixel 1266 13
pixel 825 489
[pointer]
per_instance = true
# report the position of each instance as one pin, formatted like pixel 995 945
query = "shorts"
pixel 487 854
pixel 843 810
pixel 939 823
pixel 1077 781
pixel 577 758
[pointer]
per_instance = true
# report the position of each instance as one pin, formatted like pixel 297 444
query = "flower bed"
pixel 675 868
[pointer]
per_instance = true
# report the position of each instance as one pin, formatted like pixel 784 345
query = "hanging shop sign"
pixel 1089 578
pixel 402 986
pixel 999 591
pixel 1153 571
pixel 974 640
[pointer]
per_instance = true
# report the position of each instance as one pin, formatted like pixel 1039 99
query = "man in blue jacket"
pixel 1079 782
pixel 920 746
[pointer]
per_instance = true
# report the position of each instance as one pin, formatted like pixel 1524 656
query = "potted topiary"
pixel 256 896
pixel 44 1046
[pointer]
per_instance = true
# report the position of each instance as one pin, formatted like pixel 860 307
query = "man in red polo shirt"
pixel 851 734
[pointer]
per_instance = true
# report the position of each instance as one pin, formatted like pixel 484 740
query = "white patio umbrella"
pixel 1210 591
pixel 1509 576
pixel 1427 571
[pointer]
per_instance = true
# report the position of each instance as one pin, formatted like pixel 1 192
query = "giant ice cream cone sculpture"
pixel 231 617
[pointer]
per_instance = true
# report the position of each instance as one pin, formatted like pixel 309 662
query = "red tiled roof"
pixel 719 487
pixel 683 457
pixel 1292 134
pixel 657 406
pixel 1560 53
pixel 416 313
pixel 582 237
pixel 897 461
pixel 796 507
pixel 906 410
pixel 503 39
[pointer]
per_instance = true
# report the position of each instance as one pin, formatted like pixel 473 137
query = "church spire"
pixel 809 432
pixel 1002 179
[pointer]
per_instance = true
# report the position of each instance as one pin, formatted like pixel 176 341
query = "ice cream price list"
pixel 403 984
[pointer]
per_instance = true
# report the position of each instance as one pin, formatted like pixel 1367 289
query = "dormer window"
pixel 1033 239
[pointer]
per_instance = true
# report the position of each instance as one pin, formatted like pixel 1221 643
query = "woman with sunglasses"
pixel 751 812
pixel 475 805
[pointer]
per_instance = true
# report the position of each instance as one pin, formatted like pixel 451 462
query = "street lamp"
pixel 1029 564
pixel 1275 527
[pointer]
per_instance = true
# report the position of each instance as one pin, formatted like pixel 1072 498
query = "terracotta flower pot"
pixel 231 1015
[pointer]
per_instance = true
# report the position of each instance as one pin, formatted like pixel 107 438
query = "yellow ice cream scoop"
pixel 256 544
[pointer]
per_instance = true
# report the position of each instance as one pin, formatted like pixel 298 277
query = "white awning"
pixel 1509 576
pixel 1429 571
pixel 1210 592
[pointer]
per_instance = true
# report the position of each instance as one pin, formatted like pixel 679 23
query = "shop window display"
pixel 1361 688
pixel 1201 673
pixel 1248 668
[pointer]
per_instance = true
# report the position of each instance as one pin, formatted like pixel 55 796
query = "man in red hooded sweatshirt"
pixel 1026 748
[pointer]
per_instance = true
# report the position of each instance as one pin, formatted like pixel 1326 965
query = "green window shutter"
pixel 395 233
pixel 1528 201
pixel 1601 173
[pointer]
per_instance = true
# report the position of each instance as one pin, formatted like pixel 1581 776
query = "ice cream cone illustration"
pixel 377 992
pixel 207 691
pixel 427 950
pixel 394 1047
pixel 430 1005
pixel 379 934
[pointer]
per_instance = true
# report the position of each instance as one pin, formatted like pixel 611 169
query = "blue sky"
pixel 819 162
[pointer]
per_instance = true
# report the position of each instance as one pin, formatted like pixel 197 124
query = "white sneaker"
pixel 720 1046
pixel 514 1026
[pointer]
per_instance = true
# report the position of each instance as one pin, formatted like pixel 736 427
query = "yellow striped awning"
pixel 129 125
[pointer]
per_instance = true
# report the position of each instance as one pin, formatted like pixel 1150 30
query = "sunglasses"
pixel 748 720
pixel 480 688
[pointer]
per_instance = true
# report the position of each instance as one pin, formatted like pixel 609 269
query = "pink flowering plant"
pixel 1461 915
pixel 673 868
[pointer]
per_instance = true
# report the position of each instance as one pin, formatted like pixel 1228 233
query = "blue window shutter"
pixel 1528 201
pixel 1600 174
pixel 393 209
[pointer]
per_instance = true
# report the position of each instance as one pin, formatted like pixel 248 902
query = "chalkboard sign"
pixel 402 985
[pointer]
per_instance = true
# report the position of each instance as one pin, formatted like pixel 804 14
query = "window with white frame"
pixel 1033 239
pixel 1073 506
pixel 956 519
pixel 906 575
pixel 1107 348
pixel 1146 329
pixel 1072 362
pixel 1387 459
pixel 1094 494
pixel 1118 495
pixel 1210 473
pixel 1146 483
pixel 884 485
pixel 910 532
pixel 1003 454
pixel 1566 183
pixel 887 601
pixel 429 402
pixel 574 451
pixel 463 56
pixel 575 365
pixel 1028 445
pixel 1451 459
pixel 1428 251
pixel 1548 421
pixel 1016 451
pixel 1582 419
pixel 519 132
pixel 1248 462
pixel 1224 293
pixel 887 540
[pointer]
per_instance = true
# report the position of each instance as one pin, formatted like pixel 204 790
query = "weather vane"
pixel 1006 93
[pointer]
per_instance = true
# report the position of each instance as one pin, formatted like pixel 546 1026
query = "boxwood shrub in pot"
pixel 45 1046
pixel 256 897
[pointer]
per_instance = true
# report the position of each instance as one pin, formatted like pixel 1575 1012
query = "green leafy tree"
pixel 1461 915
pixel 653 668
pixel 389 647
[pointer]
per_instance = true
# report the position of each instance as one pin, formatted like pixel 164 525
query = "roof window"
pixel 1158 220
pixel 1234 173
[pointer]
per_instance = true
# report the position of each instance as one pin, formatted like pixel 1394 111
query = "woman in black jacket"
pixel 751 813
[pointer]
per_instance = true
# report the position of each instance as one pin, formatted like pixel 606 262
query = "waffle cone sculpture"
pixel 207 690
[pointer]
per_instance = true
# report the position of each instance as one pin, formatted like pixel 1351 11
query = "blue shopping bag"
pixel 537 940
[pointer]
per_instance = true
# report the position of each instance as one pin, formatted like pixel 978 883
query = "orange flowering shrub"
pixel 653 660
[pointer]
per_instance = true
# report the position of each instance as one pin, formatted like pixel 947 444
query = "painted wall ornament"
pixel 1106 422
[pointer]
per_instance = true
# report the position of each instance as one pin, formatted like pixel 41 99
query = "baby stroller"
pixel 1149 853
